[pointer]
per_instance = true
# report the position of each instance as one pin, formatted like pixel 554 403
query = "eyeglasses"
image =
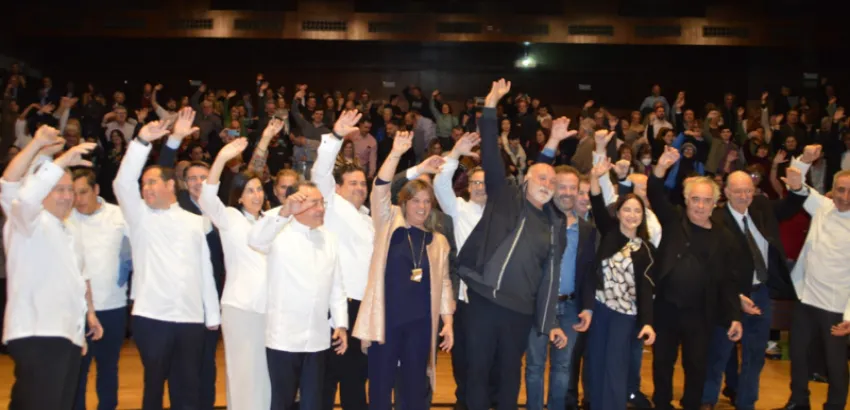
pixel 476 183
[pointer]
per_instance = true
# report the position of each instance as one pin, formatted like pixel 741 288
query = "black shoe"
pixel 460 406
pixel 794 406
pixel 639 401
pixel 730 394
pixel 585 405
pixel 816 377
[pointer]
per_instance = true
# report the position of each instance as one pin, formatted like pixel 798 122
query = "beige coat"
pixel 371 320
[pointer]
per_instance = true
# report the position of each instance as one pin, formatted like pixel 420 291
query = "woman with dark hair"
pixel 346 155
pixel 623 287
pixel 243 302
pixel 110 160
pixel 408 292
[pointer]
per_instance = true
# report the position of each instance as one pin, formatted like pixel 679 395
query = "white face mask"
pixel 646 161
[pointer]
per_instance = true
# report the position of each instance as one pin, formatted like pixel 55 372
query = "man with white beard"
pixel 509 263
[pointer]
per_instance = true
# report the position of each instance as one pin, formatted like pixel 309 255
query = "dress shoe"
pixel 706 406
pixel 819 378
pixel 794 406
pixel 731 394
pixel 639 401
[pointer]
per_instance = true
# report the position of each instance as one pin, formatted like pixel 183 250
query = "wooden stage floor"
pixel 774 383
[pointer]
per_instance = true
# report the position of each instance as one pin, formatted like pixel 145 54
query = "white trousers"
pixel 248 385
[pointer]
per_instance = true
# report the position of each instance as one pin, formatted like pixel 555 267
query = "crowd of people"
pixel 334 239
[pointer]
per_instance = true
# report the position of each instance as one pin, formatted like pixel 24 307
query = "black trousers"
pixel 348 370
pixel 460 357
pixel 290 372
pixel 208 370
pixel 495 336
pixel 808 324
pixel 46 373
pixel 170 352
pixel 690 329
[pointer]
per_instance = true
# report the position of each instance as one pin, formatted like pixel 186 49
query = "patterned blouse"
pixel 619 292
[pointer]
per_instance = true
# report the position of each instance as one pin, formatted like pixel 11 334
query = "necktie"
pixel 758 260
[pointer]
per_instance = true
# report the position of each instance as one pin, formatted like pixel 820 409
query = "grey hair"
pixel 690 183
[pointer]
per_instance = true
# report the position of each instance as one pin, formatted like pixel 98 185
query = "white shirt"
pixel 761 242
pixel 821 276
pixel 45 286
pixel 465 214
pixel 105 238
pixel 172 273
pixel 353 227
pixel 304 283
pixel 245 287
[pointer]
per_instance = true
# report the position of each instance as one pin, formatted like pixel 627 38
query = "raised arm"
pixel 491 158
pixel 655 192
pixel 560 132
pixel 322 172
pixel 381 198
pixel 27 206
pixel 126 185
pixel 209 201
pixel 261 155
pixel 604 222
pixel 443 180
pixel 264 232
pixel 815 200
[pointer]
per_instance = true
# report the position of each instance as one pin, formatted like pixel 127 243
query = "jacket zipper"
pixel 508 258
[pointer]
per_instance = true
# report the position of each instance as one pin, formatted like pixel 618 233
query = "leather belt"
pixel 564 298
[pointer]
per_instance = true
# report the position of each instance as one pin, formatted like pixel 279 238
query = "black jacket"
pixel 643 261
pixel 766 215
pixel 489 247
pixel 722 304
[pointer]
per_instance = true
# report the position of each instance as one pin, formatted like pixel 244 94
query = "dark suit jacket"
pixel 586 264
pixel 766 215
pixel 722 304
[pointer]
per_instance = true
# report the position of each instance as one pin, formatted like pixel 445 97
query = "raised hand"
pixel 183 126
pixel 53 149
pixel 46 135
pixel 588 104
pixel 233 149
pixel 601 168
pixel 402 142
pixel 811 153
pixel 497 91
pixel 293 204
pixel 273 128
pixel 431 165
pixel 153 131
pixel 465 144
pixel 560 129
pixel 838 115
pixel 158 87
pixel 621 167
pixel 668 158
pixel 74 156
pixel 347 123
pixel 780 157
pixel 793 178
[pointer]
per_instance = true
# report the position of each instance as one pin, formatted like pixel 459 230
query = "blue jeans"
pixel 635 363
pixel 753 342
pixel 559 368
pixel 105 353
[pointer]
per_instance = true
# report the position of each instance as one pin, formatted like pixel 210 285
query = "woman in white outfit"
pixel 243 303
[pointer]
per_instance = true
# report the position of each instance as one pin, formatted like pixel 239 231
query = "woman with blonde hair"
pixel 408 292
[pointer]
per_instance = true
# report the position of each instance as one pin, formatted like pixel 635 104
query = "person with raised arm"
pixel 821 317
pixel 173 287
pixel 464 214
pixel 409 290
pixel 346 217
pixel 623 287
pixel 508 262
pixel 696 283
pixel 49 303
pixel 106 262
pixel 304 284
pixel 243 302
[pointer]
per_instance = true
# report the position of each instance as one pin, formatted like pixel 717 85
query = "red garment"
pixel 793 233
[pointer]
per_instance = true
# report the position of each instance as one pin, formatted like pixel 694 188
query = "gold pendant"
pixel 416 275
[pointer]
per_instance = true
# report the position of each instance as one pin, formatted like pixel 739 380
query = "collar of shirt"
pixel 99 209
pixel 301 228
pixel 250 217
pixel 739 216
pixel 171 207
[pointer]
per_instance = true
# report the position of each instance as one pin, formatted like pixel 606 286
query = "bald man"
pixel 508 262
pixel 754 222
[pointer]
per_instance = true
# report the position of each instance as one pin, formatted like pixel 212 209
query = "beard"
pixel 542 195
